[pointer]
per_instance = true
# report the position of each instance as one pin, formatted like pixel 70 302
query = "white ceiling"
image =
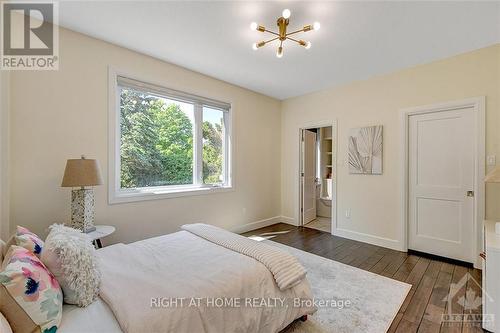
pixel 356 40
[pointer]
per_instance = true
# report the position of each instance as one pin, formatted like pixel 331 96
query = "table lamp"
pixel 78 174
pixel 494 177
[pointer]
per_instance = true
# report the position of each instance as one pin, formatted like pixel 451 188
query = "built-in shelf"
pixel 326 162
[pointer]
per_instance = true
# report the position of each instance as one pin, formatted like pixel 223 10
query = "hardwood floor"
pixel 437 287
pixel 321 223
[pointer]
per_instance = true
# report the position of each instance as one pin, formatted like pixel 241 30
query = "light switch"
pixel 491 160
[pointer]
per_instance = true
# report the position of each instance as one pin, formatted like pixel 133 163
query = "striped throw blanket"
pixel 287 271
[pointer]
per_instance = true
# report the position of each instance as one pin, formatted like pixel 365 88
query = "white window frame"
pixel 118 195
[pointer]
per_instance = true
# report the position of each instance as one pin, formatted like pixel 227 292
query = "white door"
pixel 309 177
pixel 441 181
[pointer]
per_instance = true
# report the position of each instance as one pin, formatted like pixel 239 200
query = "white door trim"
pixel 319 124
pixel 478 104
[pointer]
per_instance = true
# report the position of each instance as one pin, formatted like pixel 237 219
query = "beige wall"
pixel 62 114
pixel 4 152
pixel 375 201
pixel 56 115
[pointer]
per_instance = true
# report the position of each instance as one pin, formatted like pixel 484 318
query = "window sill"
pixel 158 194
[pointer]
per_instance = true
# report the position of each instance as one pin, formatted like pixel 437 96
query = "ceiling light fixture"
pixel 282 33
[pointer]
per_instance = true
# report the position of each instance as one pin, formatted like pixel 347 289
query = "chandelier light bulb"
pixel 308 45
pixel 316 26
pixel 279 53
pixel 254 46
pixel 253 26
pixel 286 13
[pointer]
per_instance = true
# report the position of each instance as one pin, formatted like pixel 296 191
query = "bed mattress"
pixel 184 266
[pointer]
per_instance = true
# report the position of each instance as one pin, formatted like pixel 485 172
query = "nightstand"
pixel 100 231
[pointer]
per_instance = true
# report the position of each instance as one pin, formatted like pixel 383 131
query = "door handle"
pixel 470 193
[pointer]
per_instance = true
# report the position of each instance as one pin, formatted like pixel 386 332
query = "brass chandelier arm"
pixel 272 32
pixel 271 40
pixel 295 32
pixel 300 42
pixel 293 40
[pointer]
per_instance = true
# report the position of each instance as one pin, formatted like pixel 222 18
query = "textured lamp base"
pixel 82 209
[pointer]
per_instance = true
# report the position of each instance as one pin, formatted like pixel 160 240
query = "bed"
pixel 146 287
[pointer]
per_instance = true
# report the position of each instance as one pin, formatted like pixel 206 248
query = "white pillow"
pixel 4 324
pixel 70 256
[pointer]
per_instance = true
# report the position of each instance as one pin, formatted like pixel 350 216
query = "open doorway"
pixel 317 169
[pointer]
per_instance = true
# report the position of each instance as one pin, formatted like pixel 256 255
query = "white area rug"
pixel 375 299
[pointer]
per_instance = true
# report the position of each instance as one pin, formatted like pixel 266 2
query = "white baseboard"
pixel 288 220
pixel 354 235
pixel 370 239
pixel 255 225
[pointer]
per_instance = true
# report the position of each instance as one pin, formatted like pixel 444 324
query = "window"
pixel 213 146
pixel 167 143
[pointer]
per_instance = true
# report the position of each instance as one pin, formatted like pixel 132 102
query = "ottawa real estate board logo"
pixel 30 36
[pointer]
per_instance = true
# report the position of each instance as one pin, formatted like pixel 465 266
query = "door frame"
pixel 311 125
pixel 478 104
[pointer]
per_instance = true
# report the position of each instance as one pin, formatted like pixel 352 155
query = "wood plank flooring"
pixel 437 287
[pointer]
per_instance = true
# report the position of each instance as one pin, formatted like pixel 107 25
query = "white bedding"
pixel 97 317
pixel 184 265
pixel 286 269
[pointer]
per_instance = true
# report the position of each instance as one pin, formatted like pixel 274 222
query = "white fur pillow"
pixel 70 256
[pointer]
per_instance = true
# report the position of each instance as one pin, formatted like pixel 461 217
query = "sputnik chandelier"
pixel 282 33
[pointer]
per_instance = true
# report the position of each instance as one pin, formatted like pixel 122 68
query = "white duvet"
pixel 176 283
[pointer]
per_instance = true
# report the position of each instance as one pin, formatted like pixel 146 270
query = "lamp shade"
pixel 493 176
pixel 81 172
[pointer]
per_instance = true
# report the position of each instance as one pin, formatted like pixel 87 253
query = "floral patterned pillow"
pixel 28 240
pixel 30 296
pixel 25 238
